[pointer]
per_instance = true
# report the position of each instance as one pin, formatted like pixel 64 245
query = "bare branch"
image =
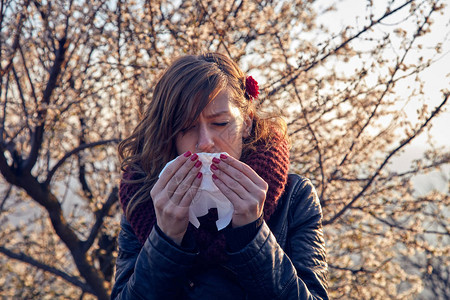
pixel 148 5
pixel 353 271
pixel 99 216
pixel 8 191
pixel 22 97
pixel 38 133
pixel 391 224
pixel 315 62
pixel 361 269
pixel 74 151
pixel 28 75
pixel 40 193
pixel 391 176
pixel 59 273
pixel 15 44
pixel 317 143
pixel 384 93
pixel 5 168
pixel 386 160
pixel 5 103
pixel 219 32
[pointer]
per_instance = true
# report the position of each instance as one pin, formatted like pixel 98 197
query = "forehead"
pixel 221 104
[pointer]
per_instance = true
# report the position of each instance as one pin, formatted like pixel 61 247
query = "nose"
pixel 205 142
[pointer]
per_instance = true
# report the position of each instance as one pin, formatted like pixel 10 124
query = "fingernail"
pixel 214 167
pixel 216 160
pixel 223 156
pixel 214 176
pixel 187 154
pixel 198 164
pixel 199 175
pixel 194 157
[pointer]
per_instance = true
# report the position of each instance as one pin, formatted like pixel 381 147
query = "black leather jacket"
pixel 286 259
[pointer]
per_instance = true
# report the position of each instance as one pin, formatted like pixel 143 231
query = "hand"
pixel 242 186
pixel 173 193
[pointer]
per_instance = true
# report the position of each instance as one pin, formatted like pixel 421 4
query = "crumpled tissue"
pixel 208 195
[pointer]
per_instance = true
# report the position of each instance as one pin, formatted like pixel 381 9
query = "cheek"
pixel 230 134
pixel 178 145
pixel 233 137
pixel 182 144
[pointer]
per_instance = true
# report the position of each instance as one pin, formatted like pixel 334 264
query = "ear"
pixel 247 125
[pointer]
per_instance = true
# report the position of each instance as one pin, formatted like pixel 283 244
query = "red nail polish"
pixel 216 160
pixel 214 167
pixel 187 154
pixel 198 164
pixel 223 156
pixel 214 176
pixel 194 156
pixel 199 175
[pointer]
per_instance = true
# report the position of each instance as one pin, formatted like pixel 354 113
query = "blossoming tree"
pixel 76 74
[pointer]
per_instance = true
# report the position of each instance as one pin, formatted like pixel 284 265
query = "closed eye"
pixel 221 124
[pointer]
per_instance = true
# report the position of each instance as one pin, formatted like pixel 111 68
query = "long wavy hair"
pixel 182 92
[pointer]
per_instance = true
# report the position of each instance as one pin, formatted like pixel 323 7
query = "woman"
pixel 273 247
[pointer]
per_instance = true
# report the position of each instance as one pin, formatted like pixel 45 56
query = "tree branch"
pixel 31 261
pixel 40 193
pixel 38 134
pixel 316 140
pixel 383 94
pixel 353 271
pixel 74 151
pixel 28 75
pixel 5 104
pixel 100 215
pixel 15 44
pixel 8 191
pixel 390 224
pixel 5 168
pixel 414 171
pixel 386 160
pixel 335 50
pixel 22 97
pixel 81 166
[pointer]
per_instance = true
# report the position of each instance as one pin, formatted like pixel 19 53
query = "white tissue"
pixel 208 195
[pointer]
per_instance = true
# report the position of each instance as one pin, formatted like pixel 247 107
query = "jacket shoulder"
pixel 302 198
pixel 297 182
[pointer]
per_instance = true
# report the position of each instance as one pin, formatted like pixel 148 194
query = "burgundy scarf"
pixel 272 165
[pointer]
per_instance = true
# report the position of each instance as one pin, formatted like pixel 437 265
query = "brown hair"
pixel 182 92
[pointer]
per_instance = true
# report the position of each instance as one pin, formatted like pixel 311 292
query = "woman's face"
pixel 219 128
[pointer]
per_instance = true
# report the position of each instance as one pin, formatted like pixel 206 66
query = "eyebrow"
pixel 217 114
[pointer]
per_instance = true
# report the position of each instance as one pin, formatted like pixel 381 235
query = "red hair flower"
pixel 251 88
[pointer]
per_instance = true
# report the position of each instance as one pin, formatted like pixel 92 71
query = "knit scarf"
pixel 270 164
